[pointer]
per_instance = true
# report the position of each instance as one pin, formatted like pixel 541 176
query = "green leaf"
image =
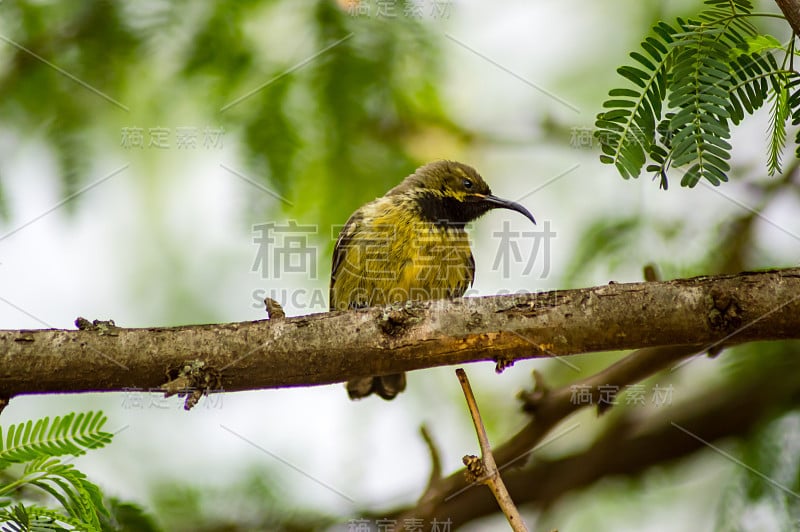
pixel 710 70
pixel 771 478
pixel 76 494
pixel 763 43
pixel 73 434
pixel 627 130
pixel 779 114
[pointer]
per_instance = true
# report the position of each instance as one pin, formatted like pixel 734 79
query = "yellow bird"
pixel 411 244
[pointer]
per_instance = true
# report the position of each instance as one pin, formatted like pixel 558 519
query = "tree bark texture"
pixel 791 10
pixel 625 448
pixel 333 347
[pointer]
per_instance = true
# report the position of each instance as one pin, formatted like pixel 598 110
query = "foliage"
pixel 36 97
pixel 127 516
pixel 345 115
pixel 256 500
pixel 334 97
pixel 21 518
pixel 764 492
pixel 601 242
pixel 72 434
pixel 694 79
pixel 35 446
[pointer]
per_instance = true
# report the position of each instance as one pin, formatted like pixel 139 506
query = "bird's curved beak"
pixel 500 203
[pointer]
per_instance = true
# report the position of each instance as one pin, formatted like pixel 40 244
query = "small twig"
pixel 429 496
pixel 436 461
pixel 532 399
pixel 274 309
pixel 487 466
pixel 193 380
pixel 730 410
pixel 549 409
pixel 651 273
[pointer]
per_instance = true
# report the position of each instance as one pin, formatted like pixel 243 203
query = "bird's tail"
pixel 387 386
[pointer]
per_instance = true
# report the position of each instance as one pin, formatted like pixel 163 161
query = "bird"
pixel 411 244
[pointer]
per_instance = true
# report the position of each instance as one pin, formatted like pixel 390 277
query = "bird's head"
pixel 450 192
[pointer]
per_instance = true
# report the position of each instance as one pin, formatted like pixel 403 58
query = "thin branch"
pixel 334 347
pixel 489 473
pixel 549 408
pixel 436 461
pixel 632 444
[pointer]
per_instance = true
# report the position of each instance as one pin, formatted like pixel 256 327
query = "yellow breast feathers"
pixel 385 255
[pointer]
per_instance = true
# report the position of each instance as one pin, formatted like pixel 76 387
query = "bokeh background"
pixel 142 144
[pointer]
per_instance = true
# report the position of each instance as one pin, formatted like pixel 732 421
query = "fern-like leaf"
pixel 72 434
pixel 627 129
pixel 700 126
pixel 78 496
pixel 794 106
pixel 751 75
pixel 779 113
pixel 34 518
pixel 709 72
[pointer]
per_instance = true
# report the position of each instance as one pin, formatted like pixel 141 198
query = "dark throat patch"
pixel 448 211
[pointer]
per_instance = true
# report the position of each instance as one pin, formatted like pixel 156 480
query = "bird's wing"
pixel 471 269
pixel 340 249
pixel 462 288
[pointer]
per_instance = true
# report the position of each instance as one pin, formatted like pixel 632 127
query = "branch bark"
pixel 549 408
pixel 333 347
pixel 634 443
pixel 791 10
pixel 484 470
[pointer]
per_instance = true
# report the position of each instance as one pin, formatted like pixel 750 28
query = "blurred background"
pixel 170 163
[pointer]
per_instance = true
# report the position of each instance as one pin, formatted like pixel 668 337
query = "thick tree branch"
pixel 551 407
pixel 791 10
pixel 333 347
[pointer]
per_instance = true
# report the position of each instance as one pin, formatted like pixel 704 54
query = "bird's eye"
pixel 467 183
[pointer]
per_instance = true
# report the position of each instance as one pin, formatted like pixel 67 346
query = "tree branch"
pixel 436 461
pixel 333 347
pixel 549 408
pixel 633 444
pixel 791 10
pixel 485 470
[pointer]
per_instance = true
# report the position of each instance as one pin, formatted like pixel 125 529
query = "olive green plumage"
pixel 410 244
